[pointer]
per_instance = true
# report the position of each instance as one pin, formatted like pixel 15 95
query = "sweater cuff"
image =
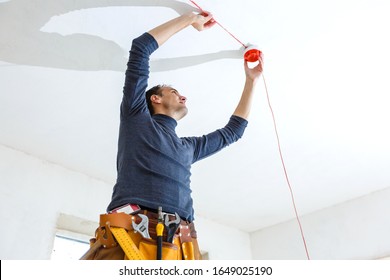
pixel 238 124
pixel 146 42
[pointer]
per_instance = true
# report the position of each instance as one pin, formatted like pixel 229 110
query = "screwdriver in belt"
pixel 159 231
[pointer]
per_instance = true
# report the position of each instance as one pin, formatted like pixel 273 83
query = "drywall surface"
pixel 357 229
pixel 35 193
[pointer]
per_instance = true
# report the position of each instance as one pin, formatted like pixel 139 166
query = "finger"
pixel 206 14
pixel 261 62
pixel 259 65
pixel 208 17
pixel 246 66
pixel 261 58
pixel 210 23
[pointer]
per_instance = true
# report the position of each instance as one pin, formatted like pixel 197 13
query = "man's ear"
pixel 155 98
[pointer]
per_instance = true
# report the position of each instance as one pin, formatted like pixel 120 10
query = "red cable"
pixel 219 24
pixel 285 170
pixel 277 137
pixel 231 34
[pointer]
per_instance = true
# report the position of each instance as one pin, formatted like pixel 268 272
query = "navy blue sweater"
pixel 153 163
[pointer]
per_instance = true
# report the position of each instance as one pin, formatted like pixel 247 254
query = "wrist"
pixel 251 81
pixel 190 17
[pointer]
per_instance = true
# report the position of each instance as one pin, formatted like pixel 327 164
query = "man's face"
pixel 173 101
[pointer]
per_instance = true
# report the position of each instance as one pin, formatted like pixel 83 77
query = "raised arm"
pixel 165 31
pixel 252 75
pixel 137 72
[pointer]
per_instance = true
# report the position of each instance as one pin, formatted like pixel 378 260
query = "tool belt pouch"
pixel 170 251
pixel 105 246
pixel 186 243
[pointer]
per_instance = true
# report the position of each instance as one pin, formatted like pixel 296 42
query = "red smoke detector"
pixel 252 53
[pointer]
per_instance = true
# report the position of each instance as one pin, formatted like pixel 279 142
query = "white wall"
pixel 223 242
pixel 357 229
pixel 34 194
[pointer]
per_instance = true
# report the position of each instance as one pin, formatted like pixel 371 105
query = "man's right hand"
pixel 203 21
pixel 166 30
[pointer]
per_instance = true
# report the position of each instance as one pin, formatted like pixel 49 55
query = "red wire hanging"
pixel 277 138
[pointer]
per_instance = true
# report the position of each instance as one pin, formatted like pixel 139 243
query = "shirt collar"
pixel 165 121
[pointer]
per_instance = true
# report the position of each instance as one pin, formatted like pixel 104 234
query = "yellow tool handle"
pixel 159 231
pixel 127 244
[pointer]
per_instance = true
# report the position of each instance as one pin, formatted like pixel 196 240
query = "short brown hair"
pixel 156 90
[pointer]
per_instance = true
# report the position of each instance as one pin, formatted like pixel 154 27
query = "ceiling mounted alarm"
pixel 252 53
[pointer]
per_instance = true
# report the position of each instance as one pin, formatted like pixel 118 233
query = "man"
pixel 153 163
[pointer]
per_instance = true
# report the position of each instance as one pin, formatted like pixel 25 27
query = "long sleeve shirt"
pixel 153 163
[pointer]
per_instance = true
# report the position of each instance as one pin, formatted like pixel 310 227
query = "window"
pixel 72 237
pixel 69 245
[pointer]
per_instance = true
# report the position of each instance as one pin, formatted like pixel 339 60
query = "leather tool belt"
pixel 128 236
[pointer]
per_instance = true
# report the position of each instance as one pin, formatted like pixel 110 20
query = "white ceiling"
pixel 326 65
